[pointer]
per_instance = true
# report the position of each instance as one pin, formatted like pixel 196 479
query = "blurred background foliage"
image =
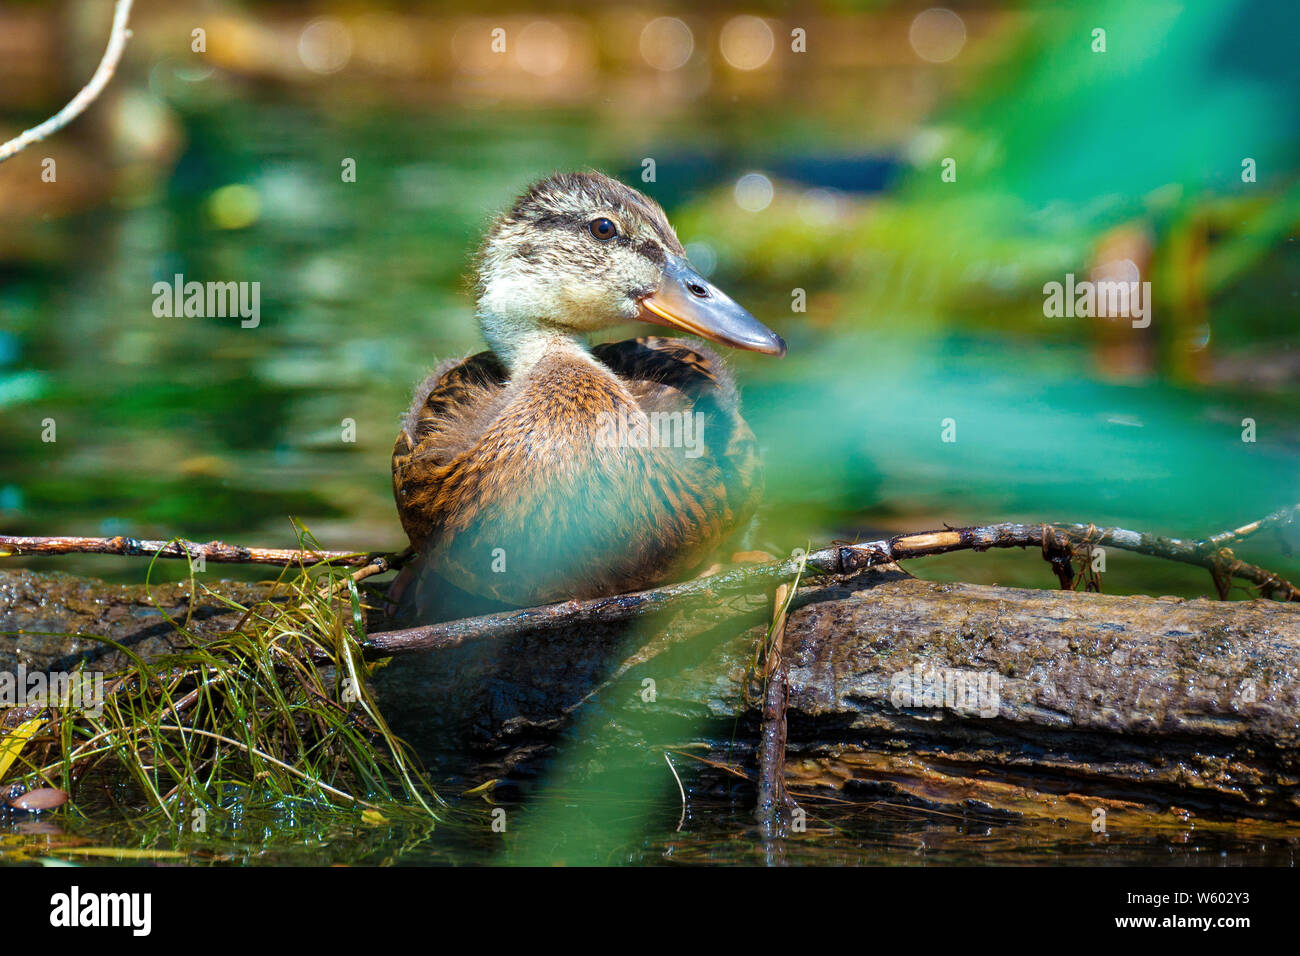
pixel 817 170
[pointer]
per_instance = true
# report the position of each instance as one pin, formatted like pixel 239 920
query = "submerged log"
pixel 955 694
pixel 899 685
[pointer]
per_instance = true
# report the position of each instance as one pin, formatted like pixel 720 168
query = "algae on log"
pixel 1100 700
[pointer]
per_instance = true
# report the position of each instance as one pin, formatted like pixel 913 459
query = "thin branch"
pixel 773 807
pixel 1203 554
pixel 680 789
pixel 216 551
pixel 77 105
pixel 842 559
pixel 1057 541
pixel 1278 519
pixel 376 564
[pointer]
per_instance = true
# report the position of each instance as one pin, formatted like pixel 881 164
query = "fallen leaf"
pixel 12 744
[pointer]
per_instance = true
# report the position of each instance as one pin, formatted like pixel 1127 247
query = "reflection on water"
pixel 708 832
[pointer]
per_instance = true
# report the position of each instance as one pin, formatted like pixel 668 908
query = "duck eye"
pixel 603 229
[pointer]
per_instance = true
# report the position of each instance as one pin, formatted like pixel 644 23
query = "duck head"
pixel 579 252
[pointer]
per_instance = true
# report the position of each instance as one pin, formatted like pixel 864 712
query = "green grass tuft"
pixel 274 713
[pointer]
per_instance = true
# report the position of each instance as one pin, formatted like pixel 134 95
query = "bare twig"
pixel 377 564
pixel 77 105
pixel 774 804
pixel 1052 539
pixel 1279 518
pixel 842 559
pixel 1059 542
pixel 216 551
pixel 680 789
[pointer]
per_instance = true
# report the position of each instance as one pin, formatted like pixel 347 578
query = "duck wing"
pixel 683 375
pixel 449 412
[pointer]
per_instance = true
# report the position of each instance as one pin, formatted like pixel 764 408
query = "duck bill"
pixel 686 300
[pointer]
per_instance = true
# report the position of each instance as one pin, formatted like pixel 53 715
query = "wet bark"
pixel 51 621
pixel 998 699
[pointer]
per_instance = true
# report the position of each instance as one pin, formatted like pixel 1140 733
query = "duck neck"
pixel 521 345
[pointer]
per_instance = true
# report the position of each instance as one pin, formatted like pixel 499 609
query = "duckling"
pixel 546 469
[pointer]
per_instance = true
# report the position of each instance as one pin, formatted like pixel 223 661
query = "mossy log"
pixel 1048 702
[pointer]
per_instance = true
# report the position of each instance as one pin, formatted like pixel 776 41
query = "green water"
pixel 603 828
pixel 201 428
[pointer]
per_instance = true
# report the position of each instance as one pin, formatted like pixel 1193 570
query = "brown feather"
pixel 484 463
